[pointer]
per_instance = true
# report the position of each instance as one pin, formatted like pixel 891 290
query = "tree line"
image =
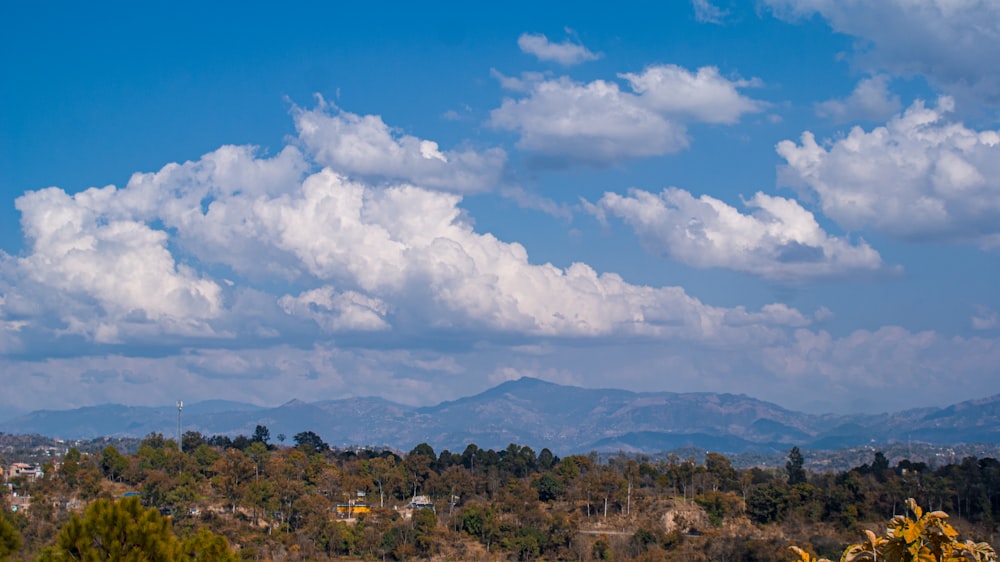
pixel 252 499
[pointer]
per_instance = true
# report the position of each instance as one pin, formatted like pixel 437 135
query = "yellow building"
pixel 352 509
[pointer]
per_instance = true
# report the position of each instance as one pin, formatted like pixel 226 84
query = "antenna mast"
pixel 180 445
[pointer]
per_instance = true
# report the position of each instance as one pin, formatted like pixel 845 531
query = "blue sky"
pixel 793 200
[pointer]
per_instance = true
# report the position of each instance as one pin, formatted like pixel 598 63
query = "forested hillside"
pixel 307 501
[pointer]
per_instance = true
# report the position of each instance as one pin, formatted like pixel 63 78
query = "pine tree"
pixel 796 474
pixel 120 531
pixel 124 531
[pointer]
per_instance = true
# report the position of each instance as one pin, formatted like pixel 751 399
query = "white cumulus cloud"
pixel 704 96
pixel 410 246
pixel 921 176
pixel 594 122
pixel 599 123
pixel 364 145
pixel 81 245
pixel 778 240
pixel 236 245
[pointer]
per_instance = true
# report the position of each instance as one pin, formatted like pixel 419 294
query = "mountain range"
pixel 528 411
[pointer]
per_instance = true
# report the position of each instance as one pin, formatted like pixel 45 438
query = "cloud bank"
pixel 180 251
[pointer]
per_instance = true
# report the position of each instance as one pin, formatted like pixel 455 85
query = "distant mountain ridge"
pixel 566 419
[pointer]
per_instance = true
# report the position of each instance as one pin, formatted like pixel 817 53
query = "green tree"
pixel 549 488
pixel 308 442
pixel 719 505
pixel 339 538
pixel 722 471
pixel 424 525
pixel 479 521
pixel 546 460
pixel 796 474
pixel 124 531
pixel 768 503
pixel 233 471
pixel 113 464
pixel 455 483
pixel 206 546
pixel 258 454
pixel 880 467
pixel 261 434
pixel 115 532
pixel 10 539
pixel 380 470
pixel 418 465
pixel 191 440
pixel 257 492
pixel 70 468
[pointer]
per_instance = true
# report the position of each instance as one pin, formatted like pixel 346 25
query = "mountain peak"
pixel 524 382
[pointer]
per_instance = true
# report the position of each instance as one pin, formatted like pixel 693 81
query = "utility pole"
pixel 180 445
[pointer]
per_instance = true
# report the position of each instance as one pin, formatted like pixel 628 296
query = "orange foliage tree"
pixel 924 537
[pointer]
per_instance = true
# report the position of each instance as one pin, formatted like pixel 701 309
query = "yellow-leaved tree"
pixel 924 537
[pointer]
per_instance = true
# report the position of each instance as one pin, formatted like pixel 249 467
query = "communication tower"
pixel 180 405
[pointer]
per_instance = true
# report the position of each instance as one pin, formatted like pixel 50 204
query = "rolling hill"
pixel 566 419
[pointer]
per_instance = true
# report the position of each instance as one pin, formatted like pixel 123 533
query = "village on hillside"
pixel 308 501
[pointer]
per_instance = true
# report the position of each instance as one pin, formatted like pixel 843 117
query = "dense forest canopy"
pixel 303 500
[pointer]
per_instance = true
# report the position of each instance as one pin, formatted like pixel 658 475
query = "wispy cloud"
pixel 985 318
pixel 870 100
pixel 566 53
pixel 953 44
pixel 706 12
pixel 528 200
